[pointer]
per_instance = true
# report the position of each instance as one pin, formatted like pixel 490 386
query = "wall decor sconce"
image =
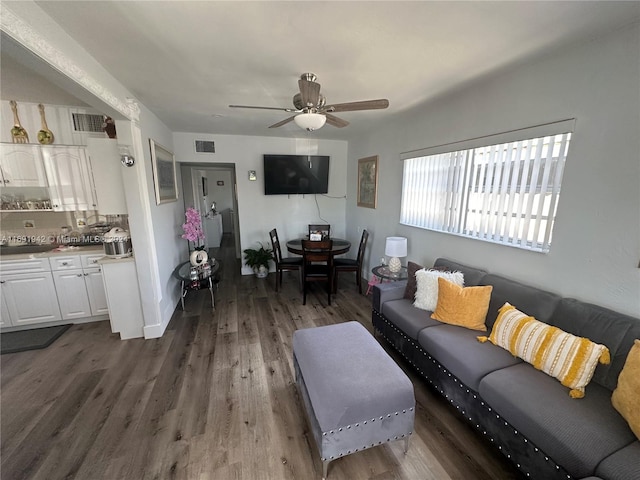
pixel 252 175
pixel 125 156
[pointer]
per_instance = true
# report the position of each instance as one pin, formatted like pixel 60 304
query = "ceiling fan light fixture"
pixel 310 121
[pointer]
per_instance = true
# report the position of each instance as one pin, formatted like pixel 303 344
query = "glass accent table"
pixel 382 271
pixel 196 278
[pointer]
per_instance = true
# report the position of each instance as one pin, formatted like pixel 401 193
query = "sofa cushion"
pixel 466 307
pixel 385 292
pixel 564 356
pixel 426 297
pixel 615 330
pixel 626 396
pixel 406 317
pixel 578 434
pixel 460 352
pixel 537 303
pixel 412 284
pixel 472 276
pixel 622 465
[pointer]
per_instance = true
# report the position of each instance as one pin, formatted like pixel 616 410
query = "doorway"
pixel 211 189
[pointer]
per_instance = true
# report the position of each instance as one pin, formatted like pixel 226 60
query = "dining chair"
pixel 282 264
pixel 323 230
pixel 317 265
pixel 351 265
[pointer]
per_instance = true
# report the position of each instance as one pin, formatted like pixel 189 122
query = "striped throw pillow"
pixel 570 359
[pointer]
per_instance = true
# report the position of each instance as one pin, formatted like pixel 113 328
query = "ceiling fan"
pixel 312 110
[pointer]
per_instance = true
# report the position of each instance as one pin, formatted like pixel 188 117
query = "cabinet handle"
pixel 64 264
pixel 79 275
pixel 85 274
pixel 2 281
pixel 7 181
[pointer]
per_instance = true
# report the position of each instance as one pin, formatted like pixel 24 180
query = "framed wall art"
pixel 164 173
pixel 368 182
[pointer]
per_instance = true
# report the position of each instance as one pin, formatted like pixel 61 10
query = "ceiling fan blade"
pixel 353 106
pixel 335 121
pixel 265 108
pixel 282 122
pixel 310 92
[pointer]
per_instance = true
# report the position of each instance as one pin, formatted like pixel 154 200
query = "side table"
pixel 201 277
pixel 382 271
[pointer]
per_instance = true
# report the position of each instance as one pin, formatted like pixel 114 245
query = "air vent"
pixel 87 122
pixel 205 146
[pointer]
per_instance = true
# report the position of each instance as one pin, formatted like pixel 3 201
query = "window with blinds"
pixel 504 192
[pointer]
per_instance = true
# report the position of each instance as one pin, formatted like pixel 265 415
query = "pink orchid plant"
pixel 193 228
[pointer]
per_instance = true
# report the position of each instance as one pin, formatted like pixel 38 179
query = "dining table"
pixel 338 247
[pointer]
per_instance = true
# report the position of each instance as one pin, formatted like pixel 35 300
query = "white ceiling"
pixel 188 60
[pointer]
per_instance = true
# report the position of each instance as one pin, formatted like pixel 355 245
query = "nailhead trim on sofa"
pixel 527 457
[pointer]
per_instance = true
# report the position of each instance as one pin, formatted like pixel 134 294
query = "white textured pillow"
pixel 427 287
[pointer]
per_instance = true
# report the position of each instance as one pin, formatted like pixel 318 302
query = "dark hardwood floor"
pixel 213 399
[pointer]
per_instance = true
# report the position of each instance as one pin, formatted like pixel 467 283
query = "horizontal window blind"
pixel 506 193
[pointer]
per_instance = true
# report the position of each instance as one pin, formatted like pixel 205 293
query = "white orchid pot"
pixel 198 257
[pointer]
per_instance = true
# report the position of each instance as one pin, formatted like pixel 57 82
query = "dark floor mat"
pixel 13 342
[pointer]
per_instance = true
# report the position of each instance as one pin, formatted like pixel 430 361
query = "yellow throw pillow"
pixel 568 358
pixel 626 396
pixel 462 306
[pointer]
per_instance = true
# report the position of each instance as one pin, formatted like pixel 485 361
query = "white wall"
pixel 258 213
pixel 596 241
pixel 165 224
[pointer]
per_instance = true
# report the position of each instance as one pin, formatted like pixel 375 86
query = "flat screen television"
pixel 293 174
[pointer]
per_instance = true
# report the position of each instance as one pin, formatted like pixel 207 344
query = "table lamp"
pixel 395 247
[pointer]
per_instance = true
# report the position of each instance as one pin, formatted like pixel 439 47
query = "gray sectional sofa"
pixel 527 414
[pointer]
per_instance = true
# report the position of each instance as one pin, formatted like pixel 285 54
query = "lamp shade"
pixel 396 247
pixel 310 121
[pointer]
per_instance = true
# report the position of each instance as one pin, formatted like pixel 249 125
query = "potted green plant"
pixel 258 259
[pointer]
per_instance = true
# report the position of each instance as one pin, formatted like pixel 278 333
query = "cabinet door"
pixel 5 319
pixel 70 181
pixel 22 166
pixel 107 171
pixel 30 298
pixel 95 289
pixel 72 294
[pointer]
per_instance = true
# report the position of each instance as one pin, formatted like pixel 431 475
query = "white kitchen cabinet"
pixel 107 171
pixel 28 292
pixel 80 287
pixel 21 165
pixel 70 179
pixel 30 298
pixel 95 284
pixel 72 294
pixel 5 319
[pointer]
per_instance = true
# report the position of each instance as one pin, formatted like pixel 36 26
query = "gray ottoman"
pixel 355 395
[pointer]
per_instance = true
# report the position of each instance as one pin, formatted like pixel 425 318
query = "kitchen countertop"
pixel 44 251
